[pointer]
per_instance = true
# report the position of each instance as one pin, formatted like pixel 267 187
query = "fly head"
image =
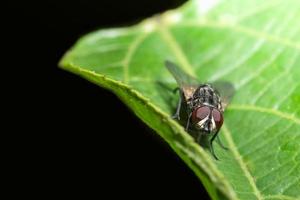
pixel 207 119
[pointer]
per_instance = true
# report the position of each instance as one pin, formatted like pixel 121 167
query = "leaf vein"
pixel 244 29
pixel 281 114
pixel 132 48
pixel 270 83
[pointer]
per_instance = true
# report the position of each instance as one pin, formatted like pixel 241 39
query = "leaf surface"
pixel 253 44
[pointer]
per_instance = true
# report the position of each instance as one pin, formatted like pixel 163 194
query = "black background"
pixel 94 145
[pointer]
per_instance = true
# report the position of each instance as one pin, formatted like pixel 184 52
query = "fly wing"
pixel 186 83
pixel 226 91
pixel 180 76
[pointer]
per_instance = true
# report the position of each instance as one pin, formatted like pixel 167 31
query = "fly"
pixel 201 106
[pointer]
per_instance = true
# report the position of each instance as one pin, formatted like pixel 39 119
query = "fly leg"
pixel 211 145
pixel 220 143
pixel 190 115
pixel 177 114
pixel 188 122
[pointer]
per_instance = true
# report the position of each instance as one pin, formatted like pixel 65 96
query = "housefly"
pixel 201 105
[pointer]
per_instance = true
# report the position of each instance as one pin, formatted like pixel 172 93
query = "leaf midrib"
pixel 183 60
pixel 240 161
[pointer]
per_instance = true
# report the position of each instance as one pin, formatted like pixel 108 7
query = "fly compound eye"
pixel 200 114
pixel 218 118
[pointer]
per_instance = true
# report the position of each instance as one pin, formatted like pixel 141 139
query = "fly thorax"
pixel 205 95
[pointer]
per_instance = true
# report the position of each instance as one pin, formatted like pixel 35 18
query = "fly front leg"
pixel 221 144
pixel 190 115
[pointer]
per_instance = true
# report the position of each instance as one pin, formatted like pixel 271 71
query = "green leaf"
pixel 253 44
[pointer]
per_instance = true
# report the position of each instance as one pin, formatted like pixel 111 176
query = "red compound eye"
pixel 200 113
pixel 218 117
